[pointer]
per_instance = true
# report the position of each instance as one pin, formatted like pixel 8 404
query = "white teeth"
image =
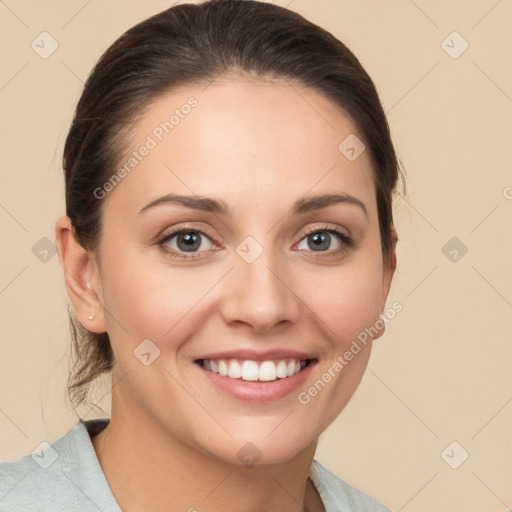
pixel 223 368
pixel 267 371
pixel 282 370
pixel 234 369
pixel 249 370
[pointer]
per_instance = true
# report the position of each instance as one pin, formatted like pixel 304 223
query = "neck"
pixel 147 468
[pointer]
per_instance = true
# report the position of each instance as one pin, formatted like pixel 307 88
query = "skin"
pixel 173 439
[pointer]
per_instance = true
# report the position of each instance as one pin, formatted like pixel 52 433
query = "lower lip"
pixel 257 390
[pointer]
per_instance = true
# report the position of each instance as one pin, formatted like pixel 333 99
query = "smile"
pixel 248 370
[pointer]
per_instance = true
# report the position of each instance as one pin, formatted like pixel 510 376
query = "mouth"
pixel 256 371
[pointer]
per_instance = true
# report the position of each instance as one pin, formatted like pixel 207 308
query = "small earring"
pixel 91 317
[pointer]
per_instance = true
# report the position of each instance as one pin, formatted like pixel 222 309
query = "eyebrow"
pixel 219 207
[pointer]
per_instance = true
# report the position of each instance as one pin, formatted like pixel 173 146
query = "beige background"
pixel 442 371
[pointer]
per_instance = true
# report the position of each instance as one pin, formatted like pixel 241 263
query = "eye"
pixel 188 243
pixel 185 241
pixel 321 239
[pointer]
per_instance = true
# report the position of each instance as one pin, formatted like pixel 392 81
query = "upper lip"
pixel 257 355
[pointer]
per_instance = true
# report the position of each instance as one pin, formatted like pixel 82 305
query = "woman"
pixel 228 238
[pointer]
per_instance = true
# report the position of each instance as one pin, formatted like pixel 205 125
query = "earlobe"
pixel 81 276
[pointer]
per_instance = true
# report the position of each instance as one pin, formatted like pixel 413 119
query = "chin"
pixel 262 449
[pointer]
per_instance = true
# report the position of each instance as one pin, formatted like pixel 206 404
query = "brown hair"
pixel 191 43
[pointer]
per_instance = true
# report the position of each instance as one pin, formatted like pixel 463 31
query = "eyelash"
pixel 345 240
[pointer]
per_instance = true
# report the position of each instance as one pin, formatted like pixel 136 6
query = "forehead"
pixel 247 141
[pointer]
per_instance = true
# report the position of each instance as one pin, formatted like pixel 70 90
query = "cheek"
pixel 347 300
pixel 148 300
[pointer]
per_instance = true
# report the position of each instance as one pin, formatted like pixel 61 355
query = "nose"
pixel 259 295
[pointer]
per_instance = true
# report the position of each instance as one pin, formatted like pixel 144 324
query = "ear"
pixel 388 272
pixel 81 275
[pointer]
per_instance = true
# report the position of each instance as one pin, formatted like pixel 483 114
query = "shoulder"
pixel 62 476
pixel 339 496
pixel 31 483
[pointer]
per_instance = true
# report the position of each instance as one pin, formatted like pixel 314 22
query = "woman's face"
pixel 264 281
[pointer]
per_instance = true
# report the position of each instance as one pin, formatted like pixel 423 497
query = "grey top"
pixel 66 476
